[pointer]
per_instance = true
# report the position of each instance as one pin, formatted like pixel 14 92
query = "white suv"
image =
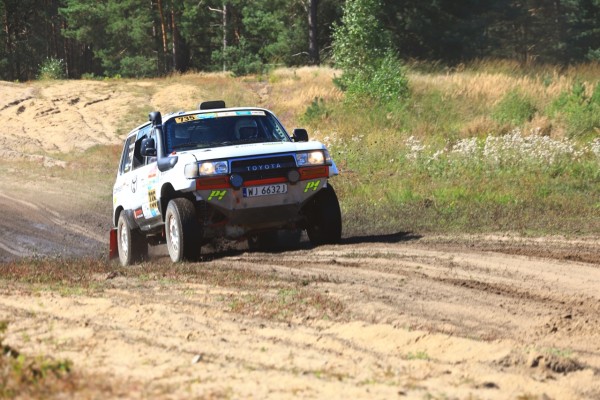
pixel 220 172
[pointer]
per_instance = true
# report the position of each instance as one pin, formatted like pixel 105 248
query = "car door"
pixel 125 184
pixel 147 211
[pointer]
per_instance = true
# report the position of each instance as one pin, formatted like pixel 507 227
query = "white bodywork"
pixel 138 190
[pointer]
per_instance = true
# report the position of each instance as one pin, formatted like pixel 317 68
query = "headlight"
pixel 206 168
pixel 213 168
pixel 316 157
pixel 191 171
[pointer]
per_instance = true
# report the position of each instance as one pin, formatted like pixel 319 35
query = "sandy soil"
pixel 419 321
pixel 424 316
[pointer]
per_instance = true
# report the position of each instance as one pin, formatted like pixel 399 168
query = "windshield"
pixel 222 129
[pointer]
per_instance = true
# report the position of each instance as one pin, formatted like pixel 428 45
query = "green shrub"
pixel 52 68
pixel 239 60
pixel 515 108
pixel 580 112
pixel 317 110
pixel 383 81
pixel 137 67
pixel 593 55
pixel 362 50
pixel 360 38
pixel 89 76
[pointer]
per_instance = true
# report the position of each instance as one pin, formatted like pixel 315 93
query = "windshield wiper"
pixel 233 142
pixel 251 140
pixel 184 145
pixel 225 143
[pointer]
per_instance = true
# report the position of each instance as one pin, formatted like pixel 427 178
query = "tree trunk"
pixel 9 49
pixel 313 38
pixel 67 54
pixel 174 37
pixel 224 35
pixel 223 12
pixel 163 30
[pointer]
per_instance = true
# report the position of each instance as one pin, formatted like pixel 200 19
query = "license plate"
pixel 266 190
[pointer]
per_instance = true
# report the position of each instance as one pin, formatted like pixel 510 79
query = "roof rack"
pixel 210 105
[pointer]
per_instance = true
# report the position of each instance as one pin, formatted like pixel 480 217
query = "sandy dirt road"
pixel 416 319
pixel 408 316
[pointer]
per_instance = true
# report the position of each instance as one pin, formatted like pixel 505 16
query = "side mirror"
pixel 300 135
pixel 148 147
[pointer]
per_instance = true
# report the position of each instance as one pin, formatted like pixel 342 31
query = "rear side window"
pixel 127 161
pixel 132 158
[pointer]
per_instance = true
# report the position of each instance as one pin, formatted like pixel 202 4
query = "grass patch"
pixel 419 355
pixel 286 303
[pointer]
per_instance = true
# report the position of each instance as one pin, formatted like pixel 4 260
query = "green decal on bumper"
pixel 217 194
pixel 312 185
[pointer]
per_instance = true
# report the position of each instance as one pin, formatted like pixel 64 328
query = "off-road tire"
pixel 182 230
pixel 324 218
pixel 131 243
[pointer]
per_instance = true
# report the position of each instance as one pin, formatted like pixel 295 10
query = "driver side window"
pixel 139 160
pixel 151 135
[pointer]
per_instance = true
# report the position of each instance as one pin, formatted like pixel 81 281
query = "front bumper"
pixel 249 214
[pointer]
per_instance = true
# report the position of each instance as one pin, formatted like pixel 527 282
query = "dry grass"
pixel 293 90
pixel 285 91
pixel 475 90
pixel 464 97
pixel 490 88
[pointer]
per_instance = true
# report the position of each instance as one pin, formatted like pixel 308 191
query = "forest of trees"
pixel 136 38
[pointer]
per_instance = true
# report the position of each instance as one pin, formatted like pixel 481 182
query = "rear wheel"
pixel 131 243
pixel 324 218
pixel 182 230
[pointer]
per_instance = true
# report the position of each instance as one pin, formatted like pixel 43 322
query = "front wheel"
pixel 182 230
pixel 324 218
pixel 132 245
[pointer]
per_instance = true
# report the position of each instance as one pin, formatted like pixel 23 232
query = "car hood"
pixel 251 149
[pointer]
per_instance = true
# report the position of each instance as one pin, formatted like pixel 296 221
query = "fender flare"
pixel 129 216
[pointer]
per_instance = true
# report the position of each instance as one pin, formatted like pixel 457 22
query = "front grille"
pixel 264 167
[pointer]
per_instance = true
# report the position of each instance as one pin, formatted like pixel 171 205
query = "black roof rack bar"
pixel 210 105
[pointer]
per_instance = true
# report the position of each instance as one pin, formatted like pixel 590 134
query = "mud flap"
pixel 113 248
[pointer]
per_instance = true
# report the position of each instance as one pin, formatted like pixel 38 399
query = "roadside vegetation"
pixel 490 147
